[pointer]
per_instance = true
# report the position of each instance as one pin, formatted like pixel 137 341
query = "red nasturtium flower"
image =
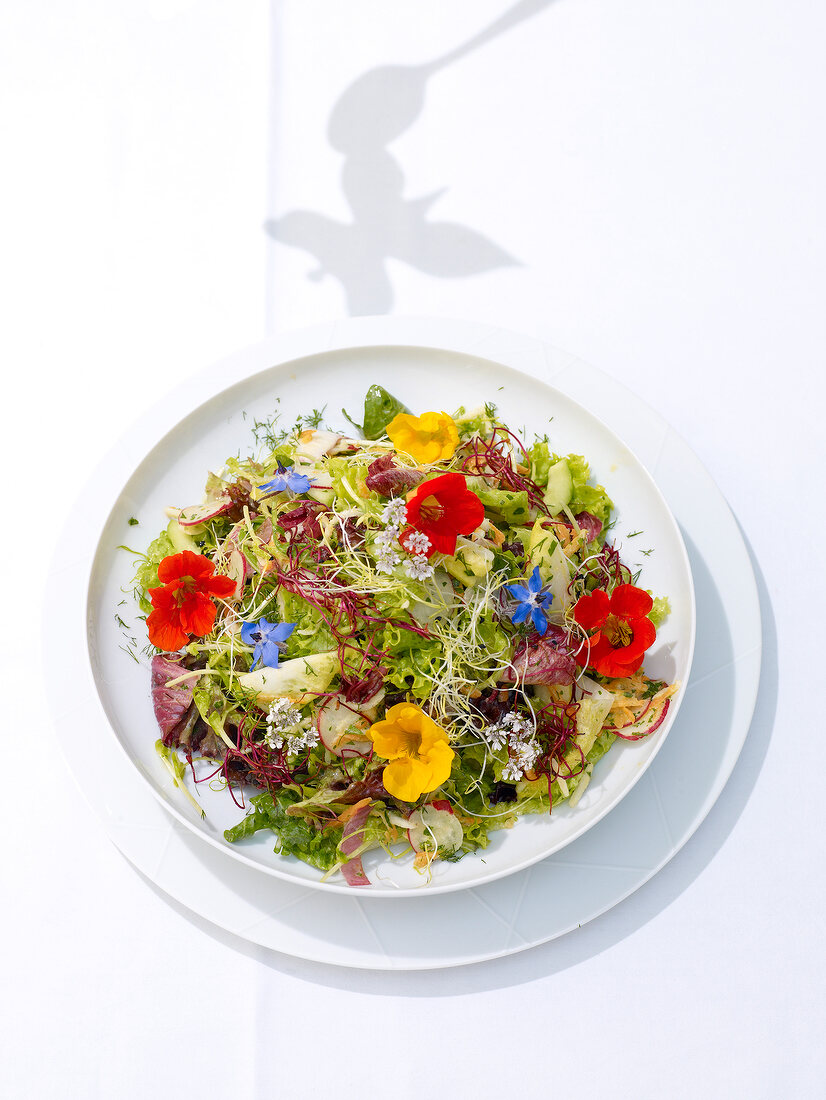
pixel 622 631
pixel 443 508
pixel 183 605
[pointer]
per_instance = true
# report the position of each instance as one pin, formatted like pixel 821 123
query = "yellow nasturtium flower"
pixel 419 754
pixel 431 437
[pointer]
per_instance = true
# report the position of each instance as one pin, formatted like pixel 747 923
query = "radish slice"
pixel 433 825
pixel 650 720
pixel 200 513
pixel 237 571
pixel 370 707
pixel 339 727
pixel 321 479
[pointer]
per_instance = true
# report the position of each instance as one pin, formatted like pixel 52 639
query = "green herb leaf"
pixel 379 409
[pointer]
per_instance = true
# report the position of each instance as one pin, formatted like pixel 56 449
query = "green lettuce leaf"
pixel 348 477
pixel 587 498
pixel 513 507
pixel 213 705
pixel 411 660
pixel 540 456
pixel 295 836
pixel 660 611
pixel 146 574
pixel 310 634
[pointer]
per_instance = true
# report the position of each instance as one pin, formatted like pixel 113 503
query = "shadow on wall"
pixel 375 110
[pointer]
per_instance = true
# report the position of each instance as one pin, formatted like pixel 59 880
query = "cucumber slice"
pixel 554 568
pixel 470 563
pixel 180 538
pixel 560 490
pixel 592 712
pixel 312 674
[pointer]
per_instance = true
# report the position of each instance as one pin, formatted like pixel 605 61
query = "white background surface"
pixel 657 171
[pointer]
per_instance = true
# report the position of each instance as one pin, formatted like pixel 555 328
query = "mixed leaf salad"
pixel 403 638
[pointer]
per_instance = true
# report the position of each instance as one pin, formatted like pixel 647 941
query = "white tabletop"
pixel 640 184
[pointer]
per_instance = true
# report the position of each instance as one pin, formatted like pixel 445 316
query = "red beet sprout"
pixel 490 459
pixel 608 567
pixel 556 730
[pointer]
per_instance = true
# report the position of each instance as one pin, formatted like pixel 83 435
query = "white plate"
pixel 532 906
pixel 174 472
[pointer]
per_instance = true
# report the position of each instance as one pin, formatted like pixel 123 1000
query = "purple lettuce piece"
pixel 372 786
pixel 173 705
pixel 352 530
pixel 591 525
pixel 387 479
pixel 546 660
pixel 303 519
pixel 352 838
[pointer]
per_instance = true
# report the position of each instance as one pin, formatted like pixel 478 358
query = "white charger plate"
pixel 533 905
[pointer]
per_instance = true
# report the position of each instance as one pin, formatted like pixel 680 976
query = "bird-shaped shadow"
pixel 376 109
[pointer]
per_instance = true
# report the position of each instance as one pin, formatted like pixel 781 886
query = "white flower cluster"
pixel 517 735
pixel 387 541
pixel 286 728
pixel 417 545
pixel 395 513
pixel 387 544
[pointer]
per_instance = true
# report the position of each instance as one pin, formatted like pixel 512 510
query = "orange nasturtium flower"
pixel 431 437
pixel 443 508
pixel 618 627
pixel 183 603
pixel 419 754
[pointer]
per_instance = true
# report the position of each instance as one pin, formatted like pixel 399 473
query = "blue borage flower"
pixel 265 637
pixel 531 601
pixel 286 479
